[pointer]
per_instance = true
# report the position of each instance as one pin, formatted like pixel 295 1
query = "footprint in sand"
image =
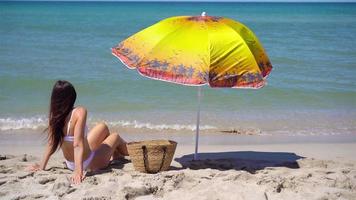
pixel 313 163
pixel 158 183
pixel 346 171
pixel 2 194
pixel 241 175
pixel 174 182
pixel 12 180
pixel 24 158
pixel 62 186
pixel 92 180
pixel 134 190
pixel 2 182
pixel 97 198
pixel 23 175
pixel 113 179
pixel 31 196
pixel 45 180
pixel 5 157
pixel 6 170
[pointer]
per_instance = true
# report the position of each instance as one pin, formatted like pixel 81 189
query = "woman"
pixel 67 130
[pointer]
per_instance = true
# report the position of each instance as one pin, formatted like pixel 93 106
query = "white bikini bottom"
pixel 86 163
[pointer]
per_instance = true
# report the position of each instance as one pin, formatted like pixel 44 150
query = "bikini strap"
pixel 70 120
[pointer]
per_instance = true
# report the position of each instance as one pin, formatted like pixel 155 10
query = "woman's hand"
pixel 77 177
pixel 34 167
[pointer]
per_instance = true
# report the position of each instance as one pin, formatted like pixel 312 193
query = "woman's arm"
pixel 78 145
pixel 46 156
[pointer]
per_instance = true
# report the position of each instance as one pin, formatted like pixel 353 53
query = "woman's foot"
pixel 117 155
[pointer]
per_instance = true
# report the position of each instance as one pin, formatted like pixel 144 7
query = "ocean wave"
pixel 35 123
pixel 32 123
pixel 311 132
pixel 178 127
pixel 39 123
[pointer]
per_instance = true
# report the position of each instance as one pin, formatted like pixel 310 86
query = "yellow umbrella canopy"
pixel 197 50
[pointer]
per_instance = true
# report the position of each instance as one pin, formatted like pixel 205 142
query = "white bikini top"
pixel 70 138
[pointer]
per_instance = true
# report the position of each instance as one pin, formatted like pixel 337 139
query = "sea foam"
pixel 36 123
pixel 139 125
pixel 22 123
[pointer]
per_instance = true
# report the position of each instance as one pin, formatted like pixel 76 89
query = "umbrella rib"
pixel 141 64
pixel 158 43
pixel 244 42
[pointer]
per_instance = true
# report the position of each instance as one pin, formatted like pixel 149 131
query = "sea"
pixel 311 90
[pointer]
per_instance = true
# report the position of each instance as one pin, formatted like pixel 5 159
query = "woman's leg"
pixel 104 152
pixel 121 150
pixel 97 135
pixel 122 147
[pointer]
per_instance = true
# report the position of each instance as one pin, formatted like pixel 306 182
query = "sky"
pixel 211 0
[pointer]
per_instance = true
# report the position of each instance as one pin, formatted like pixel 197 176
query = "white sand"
pixel 278 171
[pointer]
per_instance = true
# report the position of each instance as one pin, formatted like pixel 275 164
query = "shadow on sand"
pixel 250 161
pixel 115 164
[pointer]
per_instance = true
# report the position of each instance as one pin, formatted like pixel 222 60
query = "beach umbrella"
pixel 196 51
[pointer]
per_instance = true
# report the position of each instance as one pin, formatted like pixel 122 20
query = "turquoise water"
pixel 311 90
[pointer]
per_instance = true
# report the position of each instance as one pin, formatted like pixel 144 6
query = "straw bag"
pixel 151 156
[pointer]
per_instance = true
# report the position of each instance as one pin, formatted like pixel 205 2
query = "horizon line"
pixel 195 1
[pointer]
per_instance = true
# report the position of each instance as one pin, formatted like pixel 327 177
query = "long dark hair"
pixel 62 102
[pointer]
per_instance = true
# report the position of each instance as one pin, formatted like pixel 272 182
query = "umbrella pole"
pixel 197 128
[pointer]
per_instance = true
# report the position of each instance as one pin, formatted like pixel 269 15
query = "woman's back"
pixel 75 124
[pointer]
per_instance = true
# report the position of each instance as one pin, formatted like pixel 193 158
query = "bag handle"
pixel 145 159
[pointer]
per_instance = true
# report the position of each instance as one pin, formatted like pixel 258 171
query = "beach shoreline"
pixel 242 171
